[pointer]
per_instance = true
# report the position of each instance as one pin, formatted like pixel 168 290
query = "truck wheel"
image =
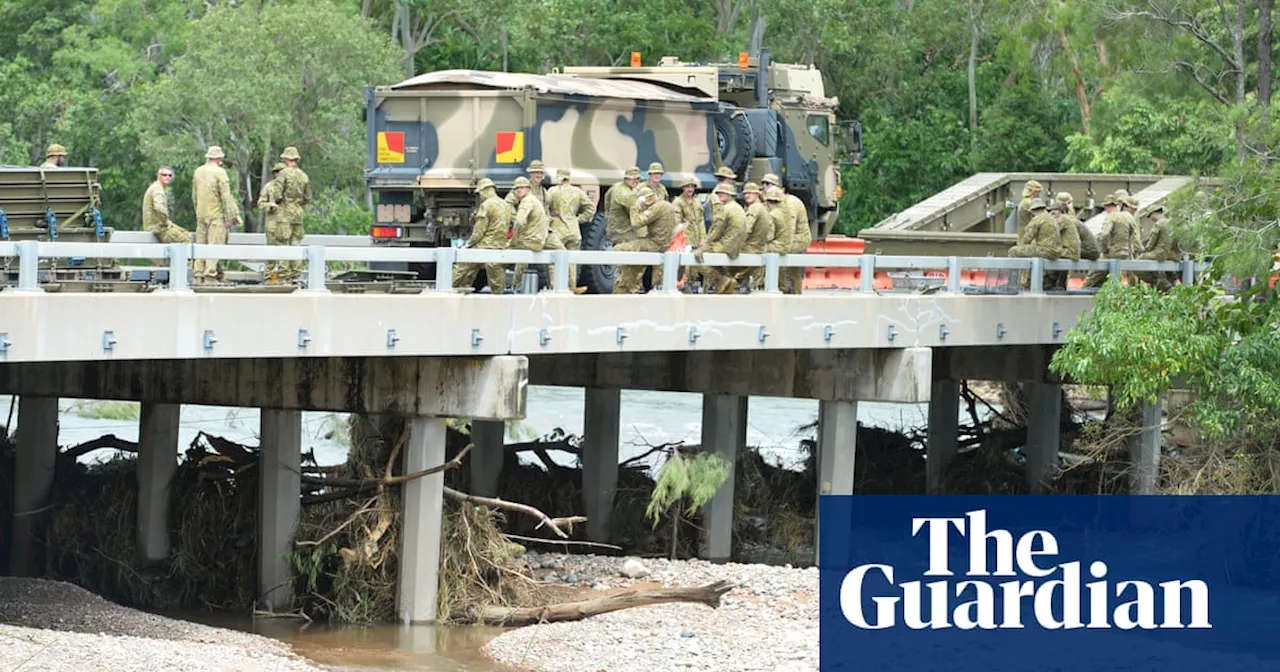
pixel 595 236
pixel 736 141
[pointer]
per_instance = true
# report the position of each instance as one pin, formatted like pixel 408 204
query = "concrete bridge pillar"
pixel 157 461
pixel 724 433
pixel 1044 431
pixel 279 504
pixel 487 456
pixel 37 453
pixel 423 506
pixel 837 448
pixel 1144 451
pixel 944 414
pixel 602 413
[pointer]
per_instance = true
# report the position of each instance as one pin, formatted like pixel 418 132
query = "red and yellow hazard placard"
pixel 390 146
pixel 510 147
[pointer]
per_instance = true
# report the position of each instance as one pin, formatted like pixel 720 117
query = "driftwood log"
pixel 709 595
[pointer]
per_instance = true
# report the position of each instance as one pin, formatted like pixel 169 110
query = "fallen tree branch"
pixel 709 595
pixel 108 441
pixel 553 523
pixel 562 542
pixel 361 484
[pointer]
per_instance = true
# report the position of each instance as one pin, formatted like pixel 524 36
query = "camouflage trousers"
pixel 628 278
pixel 283 233
pixel 571 239
pixel 210 231
pixel 1161 280
pixel 170 233
pixel 464 276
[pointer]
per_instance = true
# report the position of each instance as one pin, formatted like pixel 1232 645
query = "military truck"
pixel 431 138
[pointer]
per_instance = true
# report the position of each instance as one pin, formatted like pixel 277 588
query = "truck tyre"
pixel 595 236
pixel 736 140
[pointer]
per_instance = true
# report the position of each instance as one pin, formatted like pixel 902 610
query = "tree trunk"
pixel 1082 94
pixel 1264 53
pixel 709 595
pixel 973 70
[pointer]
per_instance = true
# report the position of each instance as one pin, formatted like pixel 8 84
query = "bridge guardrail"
pixel 178 256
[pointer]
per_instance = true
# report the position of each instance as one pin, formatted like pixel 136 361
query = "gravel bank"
pixel 51 625
pixel 768 622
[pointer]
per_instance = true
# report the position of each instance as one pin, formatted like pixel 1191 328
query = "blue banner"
pixel 1049 583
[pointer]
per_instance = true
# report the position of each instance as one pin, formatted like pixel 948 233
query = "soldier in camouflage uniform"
pixel 1040 238
pixel 800 239
pixel 295 195
pixel 617 203
pixel 654 222
pixel 155 210
pixel 783 226
pixel 689 219
pixel 55 157
pixel 529 228
pixel 1030 192
pixel 276 226
pixel 537 171
pixel 759 231
pixel 727 235
pixel 1070 235
pixel 655 180
pixel 569 208
pixel 216 211
pixel 489 233
pixel 1159 246
pixel 1116 241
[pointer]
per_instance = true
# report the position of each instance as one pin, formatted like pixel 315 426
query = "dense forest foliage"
pixel 944 88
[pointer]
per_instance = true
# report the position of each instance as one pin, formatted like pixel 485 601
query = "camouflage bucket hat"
pixel 1159 208
pixel 751 188
pixel 643 193
pixel 770 178
pixel 290 153
pixel 55 150
pixel 1037 204
pixel 521 182
pixel 773 195
pixel 725 171
pixel 562 174
pixel 688 182
pixel 656 167
pixel 1131 202
pixel 1121 194
pixel 536 166
pixel 486 183
pixel 214 152
pixel 724 189
pixel 633 171
pixel 1034 185
pixel 277 168
pixel 1064 197
pixel 1109 199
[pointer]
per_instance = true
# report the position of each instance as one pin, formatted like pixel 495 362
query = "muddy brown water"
pixel 371 648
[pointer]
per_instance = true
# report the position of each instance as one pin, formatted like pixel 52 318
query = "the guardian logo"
pixel 1051 602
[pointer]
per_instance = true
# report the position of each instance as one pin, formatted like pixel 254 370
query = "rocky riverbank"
pixel 53 626
pixel 769 621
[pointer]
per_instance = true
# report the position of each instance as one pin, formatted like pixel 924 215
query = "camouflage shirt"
pixel 1160 245
pixel 689 213
pixel 784 229
pixel 802 237
pixel 1088 243
pixel 1069 232
pixel 211 194
pixel 1039 239
pixel 295 193
pixel 155 208
pixel 536 190
pixel 658 189
pixel 570 204
pixel 530 227
pixel 491 220
pixel 1119 235
pixel 269 201
pixel 759 229
pixel 728 230
pixel 659 218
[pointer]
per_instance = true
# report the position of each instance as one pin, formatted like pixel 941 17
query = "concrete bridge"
pixel 432 354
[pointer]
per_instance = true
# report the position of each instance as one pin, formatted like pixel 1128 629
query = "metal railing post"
pixel 179 255
pixel 29 266
pixel 1188 271
pixel 670 272
pixel 867 267
pixel 953 274
pixel 1037 275
pixel 560 281
pixel 316 269
pixel 771 273
pixel 445 257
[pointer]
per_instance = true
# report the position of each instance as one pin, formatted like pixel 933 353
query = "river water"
pixel 648 418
